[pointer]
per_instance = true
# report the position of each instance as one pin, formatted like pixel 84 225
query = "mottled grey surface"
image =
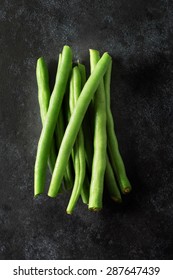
pixel 139 36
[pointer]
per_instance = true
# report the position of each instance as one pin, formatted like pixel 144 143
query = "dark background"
pixel 138 35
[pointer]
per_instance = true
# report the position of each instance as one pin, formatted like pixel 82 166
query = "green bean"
pixel 87 142
pixel 66 113
pixel 75 123
pixel 59 132
pixel 88 137
pixel 114 153
pixel 83 180
pixel 42 76
pixel 71 107
pixel 51 120
pixel 100 141
pixel 44 98
pixel 111 182
pixel 79 151
pixel 86 126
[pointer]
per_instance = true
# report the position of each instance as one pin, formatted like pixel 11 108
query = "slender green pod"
pixel 110 180
pixel 111 183
pixel 100 141
pixel 59 132
pixel 87 142
pixel 86 125
pixel 75 122
pixel 66 114
pixel 42 76
pixel 45 140
pixel 114 153
pixel 79 150
pixel 71 109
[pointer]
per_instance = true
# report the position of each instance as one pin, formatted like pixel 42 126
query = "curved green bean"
pixel 114 153
pixel 75 123
pixel 79 151
pixel 42 76
pixel 100 141
pixel 51 120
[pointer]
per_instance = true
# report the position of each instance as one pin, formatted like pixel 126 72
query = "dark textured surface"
pixel 138 35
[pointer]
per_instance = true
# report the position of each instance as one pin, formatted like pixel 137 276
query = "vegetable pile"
pixel 78 141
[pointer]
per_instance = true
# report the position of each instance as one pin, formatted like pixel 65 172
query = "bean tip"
pixel 95 209
pixel 126 190
pixel 53 195
pixel 93 50
pixel 68 212
pixel 36 194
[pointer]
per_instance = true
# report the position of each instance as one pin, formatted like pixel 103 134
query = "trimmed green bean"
pixel 75 122
pixel 59 132
pixel 110 180
pixel 100 141
pixel 66 113
pixel 114 153
pixel 86 126
pixel 42 76
pixel 51 120
pixel 79 151
pixel 87 142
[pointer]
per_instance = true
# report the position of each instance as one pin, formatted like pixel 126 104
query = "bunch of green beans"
pixel 78 140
